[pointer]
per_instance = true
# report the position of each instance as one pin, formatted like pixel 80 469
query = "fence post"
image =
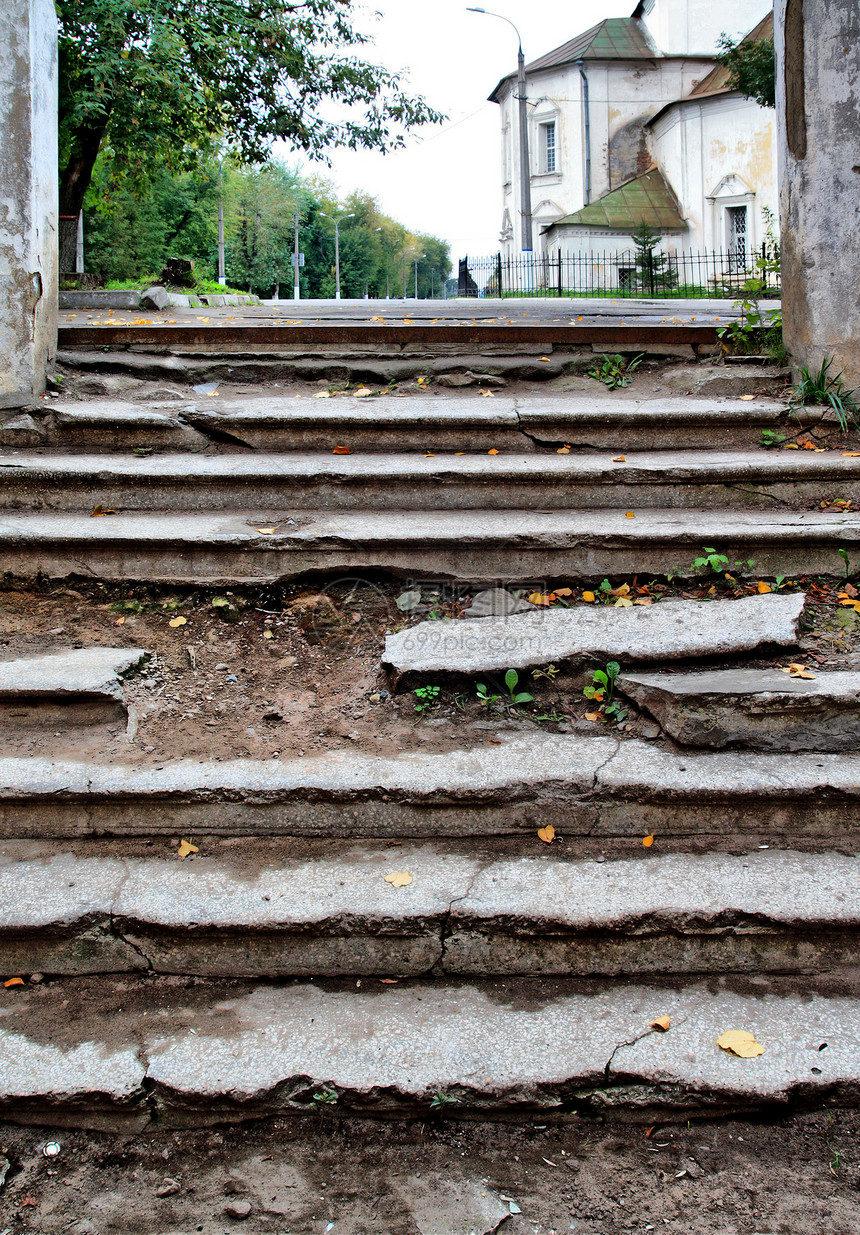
pixel 499 272
pixel 651 269
pixel 559 272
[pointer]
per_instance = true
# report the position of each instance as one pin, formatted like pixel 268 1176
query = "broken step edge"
pixel 681 914
pixel 475 1043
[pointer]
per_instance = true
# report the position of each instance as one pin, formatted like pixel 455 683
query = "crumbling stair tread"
pixel 501 1047
pixel 69 673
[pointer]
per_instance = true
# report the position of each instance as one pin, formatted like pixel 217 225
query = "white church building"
pixel 633 121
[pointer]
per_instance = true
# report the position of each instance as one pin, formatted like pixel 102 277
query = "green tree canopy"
pixel 154 83
pixel 752 68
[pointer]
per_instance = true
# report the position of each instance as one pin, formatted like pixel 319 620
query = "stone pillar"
pixel 818 121
pixel 28 198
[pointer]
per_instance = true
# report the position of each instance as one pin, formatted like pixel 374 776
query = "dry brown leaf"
pixel 589 597
pixel 101 510
pixel 120 621
pixel 268 634
pixel 398 879
pixel 487 394
pixel 178 621
pixel 763 588
pixel 592 716
pixel 563 591
pixel 14 982
pixel 547 834
pixel 389 981
pixel 362 393
pixel 740 1042
pixel 648 841
pixel 662 1023
pixel 185 848
pixel 341 450
pixel 747 398
pixel 322 394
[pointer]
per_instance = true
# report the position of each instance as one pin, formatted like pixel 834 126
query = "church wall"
pixel 684 27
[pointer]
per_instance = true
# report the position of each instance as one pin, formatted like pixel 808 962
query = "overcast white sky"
pixel 446 180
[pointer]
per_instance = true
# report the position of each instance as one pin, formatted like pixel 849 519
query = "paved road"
pixel 497 312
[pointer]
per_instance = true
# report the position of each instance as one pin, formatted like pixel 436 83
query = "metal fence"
pixel 628 274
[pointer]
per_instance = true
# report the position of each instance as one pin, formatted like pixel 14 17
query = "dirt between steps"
pixel 295 670
pixel 795 1176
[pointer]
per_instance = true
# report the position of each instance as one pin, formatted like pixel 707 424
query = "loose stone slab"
pixel 500 1048
pixel 671 630
pixel 330 912
pixel 76 686
pixel 762 709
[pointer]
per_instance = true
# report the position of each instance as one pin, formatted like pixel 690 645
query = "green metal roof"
pixel 617 38
pixel 647 199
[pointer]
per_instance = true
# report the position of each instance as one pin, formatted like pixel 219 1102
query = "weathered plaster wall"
pixel 684 27
pixel 718 152
pixel 28 197
pixel 818 120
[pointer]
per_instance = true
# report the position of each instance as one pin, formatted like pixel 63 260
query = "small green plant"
pixel 604 592
pixel 550 673
pixel 821 390
pixel 441 1100
pixel 615 371
pixel 325 1097
pixel 427 697
pixel 711 559
pixel 516 697
pixel 490 701
pixel 770 438
pixel 843 553
pixel 602 686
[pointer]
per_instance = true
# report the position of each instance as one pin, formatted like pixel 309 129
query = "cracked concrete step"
pixel 384 482
pixel 584 786
pixel 671 630
pixel 760 709
pixel 72 687
pixel 84 1054
pixel 331 913
pixel 396 423
pixel 489 547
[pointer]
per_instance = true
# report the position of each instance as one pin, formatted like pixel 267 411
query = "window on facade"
pixel 547 147
pixel 736 234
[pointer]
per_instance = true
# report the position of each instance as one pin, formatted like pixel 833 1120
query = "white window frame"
pixel 548 149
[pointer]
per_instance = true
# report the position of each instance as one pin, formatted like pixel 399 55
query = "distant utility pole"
pixel 337 223
pixel 416 278
pixel 297 290
pixel 222 277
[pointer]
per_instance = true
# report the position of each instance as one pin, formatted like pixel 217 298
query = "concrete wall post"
pixel 818 123
pixel 28 198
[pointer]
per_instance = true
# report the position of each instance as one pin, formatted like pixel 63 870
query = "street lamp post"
pixel 525 167
pixel 337 222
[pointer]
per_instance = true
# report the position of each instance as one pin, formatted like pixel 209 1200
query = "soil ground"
pixel 798 1175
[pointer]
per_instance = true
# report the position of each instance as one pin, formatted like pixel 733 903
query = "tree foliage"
pixel 178 217
pixel 154 83
pixel 752 68
pixel 651 269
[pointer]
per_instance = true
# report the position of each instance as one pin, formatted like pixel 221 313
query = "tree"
pixel 156 82
pixel 652 272
pixel 752 68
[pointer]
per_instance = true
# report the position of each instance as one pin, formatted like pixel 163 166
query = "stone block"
pixel 154 298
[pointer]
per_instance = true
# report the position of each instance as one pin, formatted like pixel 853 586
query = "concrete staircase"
pixel 393 936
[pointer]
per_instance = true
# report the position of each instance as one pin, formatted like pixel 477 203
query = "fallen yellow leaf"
pixel 563 591
pixel 648 841
pixel 623 602
pixel 791 446
pixel 619 459
pixel 547 834
pixel 120 621
pixel 747 398
pixel 389 981
pixel 740 1042
pixel 493 451
pixel 362 393
pixel 662 1023
pixel 185 848
pixel 14 982
pixel 764 587
pixel 542 357
pixel 266 531
pixel 541 598
pixel 102 510
pixel 564 450
pixel 178 621
pixel 487 394
pixel 268 634
pixel 629 515
pixel 592 716
pixel 322 394
pixel 398 879
pixel 851 454
pixel 589 597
